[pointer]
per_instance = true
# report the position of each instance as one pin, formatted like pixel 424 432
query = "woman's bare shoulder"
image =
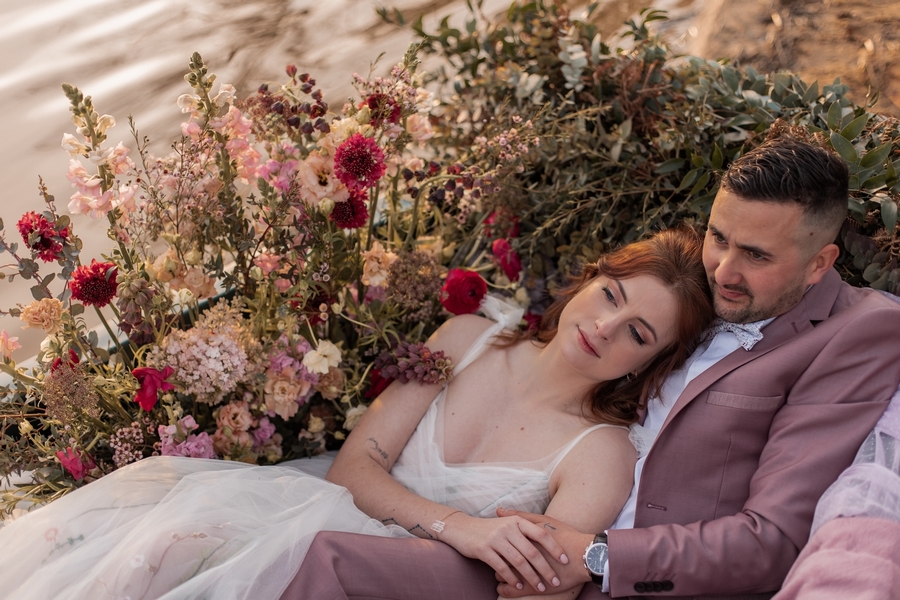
pixel 458 333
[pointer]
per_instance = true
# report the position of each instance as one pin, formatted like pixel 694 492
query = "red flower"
pixel 76 462
pixel 383 108
pixel 41 237
pixel 71 362
pixel 358 162
pixel 461 294
pixel 533 320
pixel 94 285
pixel 507 223
pixel 508 258
pixel 351 213
pixel 151 381
pixel 377 384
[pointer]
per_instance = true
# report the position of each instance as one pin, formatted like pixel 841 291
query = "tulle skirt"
pixel 169 527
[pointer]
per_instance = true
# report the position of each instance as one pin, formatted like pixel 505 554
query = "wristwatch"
pixel 595 558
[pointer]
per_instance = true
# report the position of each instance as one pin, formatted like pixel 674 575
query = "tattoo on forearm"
pixel 374 446
pixel 549 526
pixel 413 529
pixel 390 521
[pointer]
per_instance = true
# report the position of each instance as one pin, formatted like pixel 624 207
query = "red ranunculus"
pixel 461 294
pixel 351 213
pixel 76 462
pixel 508 258
pixel 151 381
pixel 377 383
pixel 358 162
pixel 39 235
pixel 94 285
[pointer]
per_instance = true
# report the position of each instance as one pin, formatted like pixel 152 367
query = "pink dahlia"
pixel 358 162
pixel 384 109
pixel 41 237
pixel 94 285
pixel 351 213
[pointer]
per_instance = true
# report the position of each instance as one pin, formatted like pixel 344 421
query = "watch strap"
pixel 600 538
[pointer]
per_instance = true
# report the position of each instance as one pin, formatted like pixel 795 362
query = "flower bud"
pixel 364 115
pixel 193 257
pixel 326 206
pixel 257 273
pixel 25 427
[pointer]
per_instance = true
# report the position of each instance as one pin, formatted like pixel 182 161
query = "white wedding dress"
pixel 172 527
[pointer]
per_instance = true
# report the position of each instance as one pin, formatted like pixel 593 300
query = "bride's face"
pixel 615 327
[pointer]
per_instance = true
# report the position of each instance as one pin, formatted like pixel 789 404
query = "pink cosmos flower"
pixel 151 380
pixel 507 258
pixel 76 462
pixel 359 162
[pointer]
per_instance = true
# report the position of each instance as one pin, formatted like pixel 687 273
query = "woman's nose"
pixel 605 327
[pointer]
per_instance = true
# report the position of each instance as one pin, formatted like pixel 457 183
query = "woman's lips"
pixel 585 344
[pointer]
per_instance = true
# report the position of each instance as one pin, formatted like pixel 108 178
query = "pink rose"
pixel 235 416
pixel 151 381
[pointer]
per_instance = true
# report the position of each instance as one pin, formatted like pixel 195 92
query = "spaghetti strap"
pixel 564 451
pixel 477 347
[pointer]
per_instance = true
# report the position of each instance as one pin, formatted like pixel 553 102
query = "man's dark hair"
pixel 790 170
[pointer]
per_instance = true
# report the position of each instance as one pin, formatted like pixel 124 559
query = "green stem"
pixel 114 337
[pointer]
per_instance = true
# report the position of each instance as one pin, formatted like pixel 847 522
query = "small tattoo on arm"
pixel 549 526
pixel 390 521
pixel 413 529
pixel 374 446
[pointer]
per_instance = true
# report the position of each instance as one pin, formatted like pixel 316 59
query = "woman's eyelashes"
pixel 632 330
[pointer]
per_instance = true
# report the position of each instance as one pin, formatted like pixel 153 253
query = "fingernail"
pixel 542 587
pixel 555 581
pixel 519 586
pixel 564 559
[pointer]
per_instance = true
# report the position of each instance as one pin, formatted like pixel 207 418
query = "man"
pixel 751 431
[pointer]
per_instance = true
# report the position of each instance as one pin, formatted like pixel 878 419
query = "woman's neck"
pixel 543 378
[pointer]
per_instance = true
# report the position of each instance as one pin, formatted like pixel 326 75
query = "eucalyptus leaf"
pixel 889 214
pixel 844 148
pixel 811 93
pixel 876 157
pixel 669 166
pixel 834 116
pixel 855 127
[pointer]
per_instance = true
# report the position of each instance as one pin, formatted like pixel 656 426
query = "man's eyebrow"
pixel 744 247
pixel 641 319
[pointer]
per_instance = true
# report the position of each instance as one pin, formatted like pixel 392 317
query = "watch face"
pixel 595 557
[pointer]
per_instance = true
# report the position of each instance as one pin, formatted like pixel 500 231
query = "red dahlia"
pixel 463 291
pixel 358 162
pixel 41 237
pixel 383 109
pixel 94 285
pixel 508 258
pixel 352 213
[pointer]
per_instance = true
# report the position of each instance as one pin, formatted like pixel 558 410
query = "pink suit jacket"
pixel 729 488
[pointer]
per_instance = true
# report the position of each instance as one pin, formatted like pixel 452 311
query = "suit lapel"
pixel 814 306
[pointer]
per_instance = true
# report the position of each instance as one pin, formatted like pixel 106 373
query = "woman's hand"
pixel 507 545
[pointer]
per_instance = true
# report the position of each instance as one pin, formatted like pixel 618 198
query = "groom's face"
pixel 754 257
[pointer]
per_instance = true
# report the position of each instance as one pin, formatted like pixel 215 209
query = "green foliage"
pixel 634 138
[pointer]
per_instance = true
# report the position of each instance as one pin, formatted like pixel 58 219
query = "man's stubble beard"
pixel 751 312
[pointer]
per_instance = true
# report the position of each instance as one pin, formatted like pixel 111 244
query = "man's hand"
pixel 572 572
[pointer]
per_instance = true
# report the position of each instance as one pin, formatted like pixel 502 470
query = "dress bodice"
pixel 475 488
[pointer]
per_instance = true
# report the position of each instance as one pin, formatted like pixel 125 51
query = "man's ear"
pixel 821 262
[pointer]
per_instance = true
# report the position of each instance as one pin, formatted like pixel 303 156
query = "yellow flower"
pixel 43 314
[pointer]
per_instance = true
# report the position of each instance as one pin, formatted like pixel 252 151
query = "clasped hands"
pixel 543 557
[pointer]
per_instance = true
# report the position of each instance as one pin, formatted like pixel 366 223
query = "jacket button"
pixel 657 586
pixel 640 587
pixel 668 586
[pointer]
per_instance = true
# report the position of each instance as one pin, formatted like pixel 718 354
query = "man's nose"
pixel 726 272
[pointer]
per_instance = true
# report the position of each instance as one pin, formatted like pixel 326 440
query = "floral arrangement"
pixel 269 277
pixel 286 261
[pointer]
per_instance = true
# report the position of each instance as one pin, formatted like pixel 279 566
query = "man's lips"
pixel 729 294
pixel 585 344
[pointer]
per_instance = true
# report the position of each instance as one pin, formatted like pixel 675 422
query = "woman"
pixel 535 423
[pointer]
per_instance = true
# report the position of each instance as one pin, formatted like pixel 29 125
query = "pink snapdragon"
pixel 8 344
pixel 267 262
pixel 177 440
pixel 76 462
pixel 151 380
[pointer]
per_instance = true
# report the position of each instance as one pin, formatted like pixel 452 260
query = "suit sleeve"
pixel 827 414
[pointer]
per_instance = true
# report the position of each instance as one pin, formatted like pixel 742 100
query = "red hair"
pixel 673 257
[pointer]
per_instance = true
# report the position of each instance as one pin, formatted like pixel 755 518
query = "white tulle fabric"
pixel 181 528
pixel 871 486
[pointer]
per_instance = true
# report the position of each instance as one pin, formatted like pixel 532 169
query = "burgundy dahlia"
pixel 384 109
pixel 352 213
pixel 358 162
pixel 41 237
pixel 94 285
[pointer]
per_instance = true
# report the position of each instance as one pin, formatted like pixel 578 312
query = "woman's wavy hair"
pixel 673 257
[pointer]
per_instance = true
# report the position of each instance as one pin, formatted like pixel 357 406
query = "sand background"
pixel 131 58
